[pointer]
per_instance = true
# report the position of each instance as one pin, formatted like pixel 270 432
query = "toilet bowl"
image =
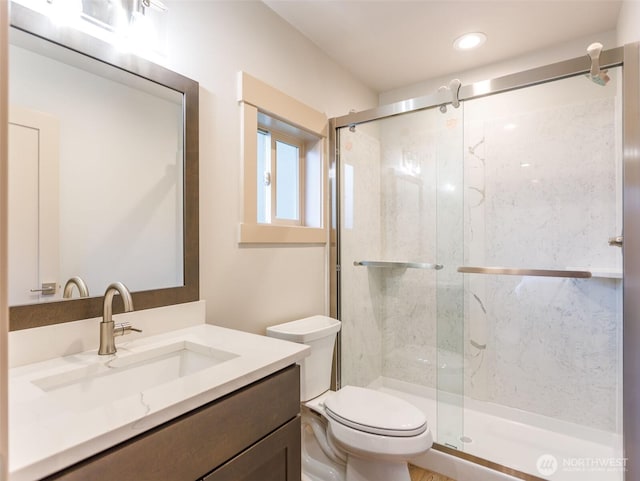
pixel 355 433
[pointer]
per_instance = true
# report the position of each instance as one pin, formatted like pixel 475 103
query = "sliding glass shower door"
pixel 543 284
pixel 401 235
pixel 481 277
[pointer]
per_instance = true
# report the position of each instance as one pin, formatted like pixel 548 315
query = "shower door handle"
pixel 507 271
pixel 399 265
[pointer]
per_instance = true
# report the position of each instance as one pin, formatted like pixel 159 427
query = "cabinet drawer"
pixel 275 458
pixel 192 445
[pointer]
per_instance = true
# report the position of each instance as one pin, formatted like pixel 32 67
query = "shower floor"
pixel 517 439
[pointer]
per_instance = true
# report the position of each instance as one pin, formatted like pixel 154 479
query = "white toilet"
pixel 354 434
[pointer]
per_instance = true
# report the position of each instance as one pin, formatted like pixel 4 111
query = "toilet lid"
pixel 375 412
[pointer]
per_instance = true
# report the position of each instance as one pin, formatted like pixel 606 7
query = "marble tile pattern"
pixel 410 149
pixel 362 297
pixel 407 207
pixel 423 222
pixel 542 194
pixel 450 241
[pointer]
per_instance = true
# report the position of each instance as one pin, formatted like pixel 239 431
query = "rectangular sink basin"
pixel 105 382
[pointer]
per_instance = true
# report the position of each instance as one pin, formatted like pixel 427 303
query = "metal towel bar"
pixel 398 265
pixel 505 271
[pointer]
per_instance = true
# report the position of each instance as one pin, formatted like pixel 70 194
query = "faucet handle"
pixel 122 328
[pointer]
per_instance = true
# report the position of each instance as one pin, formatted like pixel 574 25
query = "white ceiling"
pixel 394 43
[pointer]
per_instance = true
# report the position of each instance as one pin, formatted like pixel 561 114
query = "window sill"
pixel 281 234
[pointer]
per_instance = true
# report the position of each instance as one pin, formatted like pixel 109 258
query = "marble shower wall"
pixel 542 191
pixel 408 174
pixel 390 213
pixel 531 179
pixel 422 219
pixel 361 300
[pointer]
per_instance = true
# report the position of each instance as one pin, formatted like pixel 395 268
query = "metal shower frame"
pixel 627 57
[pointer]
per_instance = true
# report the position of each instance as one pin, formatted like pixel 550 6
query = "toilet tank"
pixel 318 332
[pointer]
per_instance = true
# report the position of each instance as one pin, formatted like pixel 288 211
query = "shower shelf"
pixel 506 271
pixel 398 265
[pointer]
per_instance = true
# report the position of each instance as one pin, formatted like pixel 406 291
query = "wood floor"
pixel 418 474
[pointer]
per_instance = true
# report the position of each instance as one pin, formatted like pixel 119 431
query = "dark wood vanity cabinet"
pixel 275 458
pixel 252 434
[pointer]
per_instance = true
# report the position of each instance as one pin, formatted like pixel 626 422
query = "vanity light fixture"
pixel 62 13
pixel 469 41
pixel 129 26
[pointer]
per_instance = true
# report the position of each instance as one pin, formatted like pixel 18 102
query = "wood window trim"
pixel 255 96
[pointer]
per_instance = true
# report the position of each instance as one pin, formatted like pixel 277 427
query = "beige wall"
pixel 4 313
pixel 629 22
pixel 250 288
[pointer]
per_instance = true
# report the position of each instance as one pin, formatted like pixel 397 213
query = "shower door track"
pixel 569 68
pixel 626 57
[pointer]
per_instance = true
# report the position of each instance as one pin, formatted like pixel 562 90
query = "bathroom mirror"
pixel 104 176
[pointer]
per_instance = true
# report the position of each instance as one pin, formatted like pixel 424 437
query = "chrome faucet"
pixel 108 329
pixel 83 290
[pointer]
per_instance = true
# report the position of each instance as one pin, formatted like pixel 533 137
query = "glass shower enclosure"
pixel 480 271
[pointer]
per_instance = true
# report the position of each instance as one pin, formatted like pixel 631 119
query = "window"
pixel 283 148
pixel 287 182
pixel 280 178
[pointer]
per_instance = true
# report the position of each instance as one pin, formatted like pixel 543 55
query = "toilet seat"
pixel 374 412
pixel 374 446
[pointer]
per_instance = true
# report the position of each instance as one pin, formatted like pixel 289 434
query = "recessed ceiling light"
pixel 469 41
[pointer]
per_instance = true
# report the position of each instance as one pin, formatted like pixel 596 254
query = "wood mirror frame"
pixel 54 312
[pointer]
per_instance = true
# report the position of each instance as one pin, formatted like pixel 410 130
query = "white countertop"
pixel 46 435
